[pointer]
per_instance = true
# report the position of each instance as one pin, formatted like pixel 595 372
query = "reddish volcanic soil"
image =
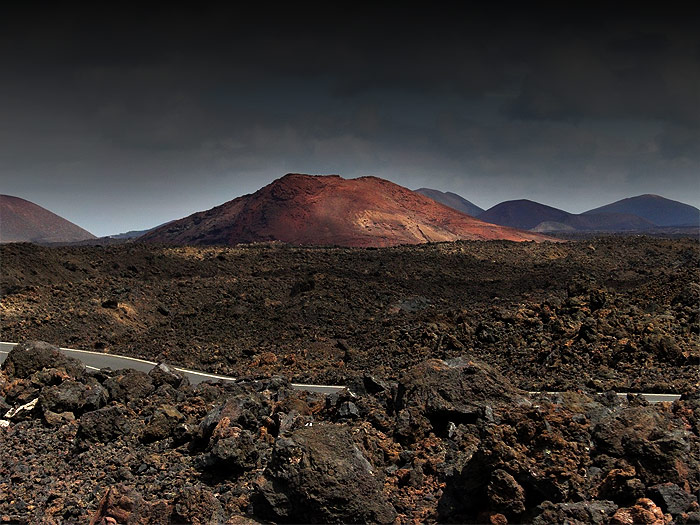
pixel 21 221
pixel 330 210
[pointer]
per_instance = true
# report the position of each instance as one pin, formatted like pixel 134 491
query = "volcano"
pixel 530 215
pixel 654 208
pixel 330 210
pixel 24 221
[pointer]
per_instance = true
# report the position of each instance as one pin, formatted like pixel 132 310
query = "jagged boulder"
pixel 162 374
pixel 654 442
pixel 505 494
pixel 671 498
pixel 73 396
pixel 435 393
pixel 318 475
pixel 622 486
pixel 162 423
pixel 245 410
pixel 33 356
pixel 106 425
pixel 129 385
pixel 232 450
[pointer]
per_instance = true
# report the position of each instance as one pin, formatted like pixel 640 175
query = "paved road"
pixel 97 360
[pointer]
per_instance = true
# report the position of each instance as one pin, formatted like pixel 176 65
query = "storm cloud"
pixel 122 120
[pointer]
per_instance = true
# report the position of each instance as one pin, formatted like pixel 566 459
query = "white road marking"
pixel 103 354
pixel 203 374
pixel 303 386
pixel 135 359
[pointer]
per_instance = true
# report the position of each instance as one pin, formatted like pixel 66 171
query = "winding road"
pixel 97 360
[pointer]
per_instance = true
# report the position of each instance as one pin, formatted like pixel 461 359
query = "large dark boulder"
pixel 505 494
pixel 106 425
pixel 671 498
pixel 654 442
pixel 129 385
pixel 621 486
pixel 318 475
pixel 162 374
pixel 33 356
pixel 435 394
pixel 73 396
pixel 245 410
pixel 162 423
pixel 232 450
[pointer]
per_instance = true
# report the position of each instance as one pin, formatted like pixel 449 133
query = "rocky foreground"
pixel 448 441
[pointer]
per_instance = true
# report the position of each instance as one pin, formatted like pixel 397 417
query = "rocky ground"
pixel 616 313
pixel 438 346
pixel 448 441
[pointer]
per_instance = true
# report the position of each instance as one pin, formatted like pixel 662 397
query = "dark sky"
pixel 123 120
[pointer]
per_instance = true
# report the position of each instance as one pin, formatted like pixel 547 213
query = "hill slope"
pixel 654 208
pixel 530 215
pixel 452 200
pixel 24 221
pixel 330 210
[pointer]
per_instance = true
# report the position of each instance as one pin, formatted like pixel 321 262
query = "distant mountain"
pixel 331 210
pixel 654 208
pixel 131 234
pixel 526 214
pixel 529 215
pixel 135 234
pixel 24 221
pixel 452 200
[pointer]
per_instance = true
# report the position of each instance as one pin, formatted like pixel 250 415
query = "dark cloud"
pixel 646 71
pixel 679 142
pixel 165 112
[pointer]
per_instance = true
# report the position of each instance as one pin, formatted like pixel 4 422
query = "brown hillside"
pixel 331 210
pixel 24 221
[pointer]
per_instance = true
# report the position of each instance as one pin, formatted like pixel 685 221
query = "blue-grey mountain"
pixel 452 200
pixel 654 208
pixel 529 215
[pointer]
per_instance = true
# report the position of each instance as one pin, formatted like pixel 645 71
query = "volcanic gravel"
pixel 604 314
pixel 449 441
pixel 438 346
